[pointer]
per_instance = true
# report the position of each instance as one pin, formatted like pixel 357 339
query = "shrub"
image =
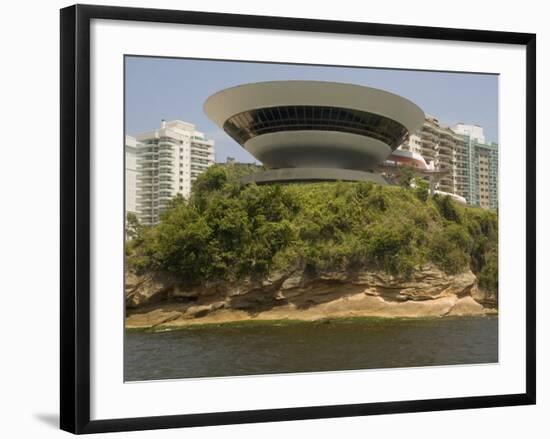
pixel 448 250
pixel 447 208
pixel 488 275
pixel 422 189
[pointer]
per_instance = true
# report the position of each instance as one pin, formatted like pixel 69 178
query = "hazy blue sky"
pixel 165 88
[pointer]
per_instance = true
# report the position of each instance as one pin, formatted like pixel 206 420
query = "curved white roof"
pixel 455 197
pixel 410 155
pixel 231 101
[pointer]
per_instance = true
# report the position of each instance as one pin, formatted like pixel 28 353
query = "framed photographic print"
pixel 272 218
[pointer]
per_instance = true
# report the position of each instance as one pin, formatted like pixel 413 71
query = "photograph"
pixel 293 218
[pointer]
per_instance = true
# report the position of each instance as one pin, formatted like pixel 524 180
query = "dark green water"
pixel 250 349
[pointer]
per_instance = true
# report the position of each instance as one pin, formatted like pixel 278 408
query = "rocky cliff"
pixel 162 302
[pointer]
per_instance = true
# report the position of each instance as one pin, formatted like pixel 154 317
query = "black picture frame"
pixel 75 217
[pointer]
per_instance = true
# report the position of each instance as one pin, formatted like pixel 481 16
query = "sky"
pixel 175 88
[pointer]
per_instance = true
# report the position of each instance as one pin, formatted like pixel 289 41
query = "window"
pixel 249 124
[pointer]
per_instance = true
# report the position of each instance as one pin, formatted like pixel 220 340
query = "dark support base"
pixel 289 175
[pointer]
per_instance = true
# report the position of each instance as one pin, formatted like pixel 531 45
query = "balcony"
pixel 146 175
pixel 146 151
pixel 150 164
pixel 444 157
pixel 146 168
pixel 428 153
pixel 165 147
pixel 144 154
pixel 145 178
pixel 445 148
pixel 199 153
pixel 145 196
pixel 201 143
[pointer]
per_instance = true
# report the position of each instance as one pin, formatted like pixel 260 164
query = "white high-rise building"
pixel 475 132
pixel 442 150
pixel 168 161
pixel 130 165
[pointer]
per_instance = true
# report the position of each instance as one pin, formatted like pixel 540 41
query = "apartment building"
pixel 481 170
pixel 130 174
pixel 472 161
pixel 169 160
pixel 412 144
pixel 442 149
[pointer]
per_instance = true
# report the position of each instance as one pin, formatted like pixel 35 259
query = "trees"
pixel 227 231
pixel 421 189
pixel 132 226
pixel 448 208
pixel 406 177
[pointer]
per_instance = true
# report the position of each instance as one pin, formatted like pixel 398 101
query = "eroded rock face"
pixel 145 290
pixel 153 301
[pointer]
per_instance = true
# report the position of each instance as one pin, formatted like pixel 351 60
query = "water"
pixel 261 348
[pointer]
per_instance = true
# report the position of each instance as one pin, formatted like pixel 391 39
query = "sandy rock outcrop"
pixel 428 292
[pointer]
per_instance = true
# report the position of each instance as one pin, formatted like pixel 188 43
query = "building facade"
pixel 445 149
pixel 442 150
pixel 130 174
pixel 481 170
pixel 168 162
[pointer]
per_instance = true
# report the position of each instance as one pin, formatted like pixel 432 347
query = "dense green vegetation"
pixel 226 231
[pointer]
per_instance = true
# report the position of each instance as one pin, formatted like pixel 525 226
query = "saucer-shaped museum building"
pixel 314 130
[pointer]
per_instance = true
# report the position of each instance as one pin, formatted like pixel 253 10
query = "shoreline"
pixel 171 322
